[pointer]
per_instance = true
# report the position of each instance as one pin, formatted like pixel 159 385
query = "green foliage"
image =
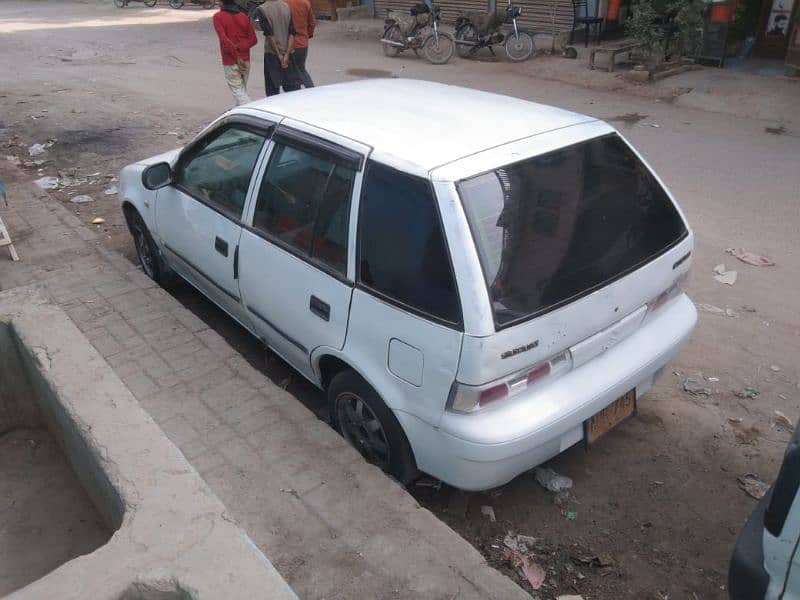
pixel 672 27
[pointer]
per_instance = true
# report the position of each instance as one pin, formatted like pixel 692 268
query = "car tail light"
pixel 674 290
pixel 470 398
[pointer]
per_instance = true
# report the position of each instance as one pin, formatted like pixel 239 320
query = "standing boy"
pixel 275 19
pixel 236 37
pixel 304 25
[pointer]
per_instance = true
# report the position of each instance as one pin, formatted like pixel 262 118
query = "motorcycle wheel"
pixel 467 33
pixel 440 53
pixel 120 3
pixel 176 3
pixel 394 34
pixel 519 47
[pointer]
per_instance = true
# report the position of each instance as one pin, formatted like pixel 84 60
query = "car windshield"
pixel 557 226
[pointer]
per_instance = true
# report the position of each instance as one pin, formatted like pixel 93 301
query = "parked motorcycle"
pixel 482 30
pixel 180 3
pixel 409 31
pixel 124 3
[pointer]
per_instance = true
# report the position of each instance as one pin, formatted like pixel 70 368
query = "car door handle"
pixel 221 246
pixel 320 308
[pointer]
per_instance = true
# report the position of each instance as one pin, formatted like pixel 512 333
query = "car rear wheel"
pixel 360 415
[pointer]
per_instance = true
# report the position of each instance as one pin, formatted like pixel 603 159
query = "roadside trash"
pixel 83 198
pixel 734 419
pixel 783 422
pixel 747 391
pixel 488 511
pixel 528 567
pixel 47 183
pixel 725 276
pixel 753 486
pixel 750 258
pixel 694 388
pixel 571 515
pixel 36 150
pixel 552 481
pixel 563 498
pixel 655 125
pixel 13 160
pixel 713 379
pixel 601 560
pixel 747 308
pixel 98 221
pixel 775 368
pixel 777 130
pixel 429 482
pixel 570 596
pixel 716 310
pixel 519 543
pixel 111 191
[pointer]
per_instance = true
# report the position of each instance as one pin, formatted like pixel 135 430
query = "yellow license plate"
pixel 608 418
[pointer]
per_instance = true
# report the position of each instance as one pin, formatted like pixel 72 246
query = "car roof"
pixel 418 125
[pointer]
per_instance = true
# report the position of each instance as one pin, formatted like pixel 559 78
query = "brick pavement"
pixel 334 526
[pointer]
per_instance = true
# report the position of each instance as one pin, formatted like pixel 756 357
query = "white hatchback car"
pixel 478 282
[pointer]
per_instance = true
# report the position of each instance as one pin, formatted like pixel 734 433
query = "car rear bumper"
pixel 747 578
pixel 487 449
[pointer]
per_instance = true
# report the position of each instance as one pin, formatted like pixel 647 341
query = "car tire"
pixel 359 414
pixel 146 249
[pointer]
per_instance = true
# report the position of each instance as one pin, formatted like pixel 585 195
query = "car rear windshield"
pixel 557 226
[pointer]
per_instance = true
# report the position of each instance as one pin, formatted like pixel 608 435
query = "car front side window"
pixel 217 171
pixel 304 203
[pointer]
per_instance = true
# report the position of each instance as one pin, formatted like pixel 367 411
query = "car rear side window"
pixel 217 171
pixel 402 251
pixel 304 203
pixel 554 227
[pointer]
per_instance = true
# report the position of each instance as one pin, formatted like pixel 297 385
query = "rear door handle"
pixel 320 308
pixel 221 246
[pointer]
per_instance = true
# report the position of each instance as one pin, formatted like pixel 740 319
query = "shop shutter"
pixel 451 9
pixel 537 15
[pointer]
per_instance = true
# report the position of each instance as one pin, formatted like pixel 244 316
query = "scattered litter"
pixel 111 191
pixel 552 481
pixel 747 391
pixel 658 483
pixel 82 199
pixel 430 482
pixel 753 486
pixel 647 124
pixel 716 310
pixel 725 276
pixel 747 308
pixel 528 567
pixel 713 379
pixel 777 130
pixel 775 368
pixel 519 543
pixel 734 419
pixel 47 183
pixel 694 388
pixel 38 149
pixel 563 498
pixel 12 159
pixel 98 221
pixel 750 258
pixel 570 514
pixel 782 421
pixel 489 512
pixel 570 596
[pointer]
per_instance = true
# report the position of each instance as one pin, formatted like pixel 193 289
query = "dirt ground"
pixel 656 505
pixel 46 517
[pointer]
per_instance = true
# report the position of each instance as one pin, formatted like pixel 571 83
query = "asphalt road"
pixel 660 493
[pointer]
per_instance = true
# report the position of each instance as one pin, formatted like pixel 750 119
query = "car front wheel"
pixel 146 249
pixel 360 415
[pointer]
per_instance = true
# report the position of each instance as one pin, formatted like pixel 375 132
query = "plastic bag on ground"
pixel 552 481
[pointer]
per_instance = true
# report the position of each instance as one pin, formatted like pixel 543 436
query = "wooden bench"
pixel 612 50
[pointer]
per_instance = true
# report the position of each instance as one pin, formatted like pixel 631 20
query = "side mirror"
pixel 157 176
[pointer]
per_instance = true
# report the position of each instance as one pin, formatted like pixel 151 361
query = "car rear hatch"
pixel 577 246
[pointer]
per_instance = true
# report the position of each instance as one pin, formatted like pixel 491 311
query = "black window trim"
pixel 319 147
pixel 574 298
pixel 456 325
pixel 325 154
pixel 253 124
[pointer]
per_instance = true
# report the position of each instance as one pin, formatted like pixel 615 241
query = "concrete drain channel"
pixel 90 484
